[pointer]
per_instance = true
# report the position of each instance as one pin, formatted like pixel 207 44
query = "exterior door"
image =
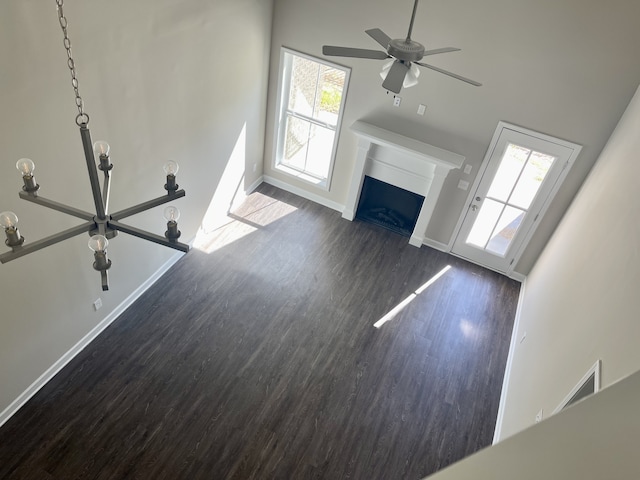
pixel 522 172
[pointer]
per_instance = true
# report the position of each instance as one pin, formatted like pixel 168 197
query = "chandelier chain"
pixel 82 117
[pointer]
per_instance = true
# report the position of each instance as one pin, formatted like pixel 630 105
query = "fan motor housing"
pixel 406 50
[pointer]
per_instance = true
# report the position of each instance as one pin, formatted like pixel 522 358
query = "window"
pixel 311 101
pixel 589 385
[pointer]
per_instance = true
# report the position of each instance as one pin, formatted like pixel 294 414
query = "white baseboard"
pixel 23 398
pixel 497 434
pixel 416 241
pixel 443 247
pixel 254 185
pixel 517 277
pixel 304 193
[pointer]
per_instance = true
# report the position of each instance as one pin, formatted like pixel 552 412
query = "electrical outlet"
pixel 539 416
pixel 467 169
pixel 396 101
pixel 421 109
pixel 97 305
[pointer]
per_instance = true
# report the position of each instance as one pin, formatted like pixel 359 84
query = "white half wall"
pixel 581 301
pixel 158 83
pixel 595 439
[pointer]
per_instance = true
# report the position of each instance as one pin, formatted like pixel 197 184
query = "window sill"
pixel 316 182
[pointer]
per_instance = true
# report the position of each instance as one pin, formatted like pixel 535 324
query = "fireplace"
pixel 388 206
pixel 406 163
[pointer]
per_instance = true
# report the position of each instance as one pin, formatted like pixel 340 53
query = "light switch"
pixel 463 185
pixel 468 168
pixel 421 109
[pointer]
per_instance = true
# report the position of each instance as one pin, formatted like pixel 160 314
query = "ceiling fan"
pixel 406 53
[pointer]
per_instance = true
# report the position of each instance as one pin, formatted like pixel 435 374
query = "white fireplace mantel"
pixel 404 162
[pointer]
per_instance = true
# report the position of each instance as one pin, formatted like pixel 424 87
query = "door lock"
pixel 474 207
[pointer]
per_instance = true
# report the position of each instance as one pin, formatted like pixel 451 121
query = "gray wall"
pixel 158 83
pixel 566 69
pixel 581 300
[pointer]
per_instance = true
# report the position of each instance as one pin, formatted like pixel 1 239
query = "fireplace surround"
pixel 405 162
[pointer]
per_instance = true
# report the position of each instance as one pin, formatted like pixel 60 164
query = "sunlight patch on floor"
pixel 402 305
pixel 244 221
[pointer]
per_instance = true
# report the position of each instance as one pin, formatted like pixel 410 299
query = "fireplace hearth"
pixel 389 206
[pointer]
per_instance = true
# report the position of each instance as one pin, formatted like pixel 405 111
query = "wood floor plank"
pixel 258 359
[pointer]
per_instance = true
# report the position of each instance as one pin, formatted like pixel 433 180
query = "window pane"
pixel 331 83
pixel 308 147
pixel 510 167
pixel 485 223
pixel 534 173
pixel 505 230
pixel 304 82
pixel 295 142
pixel 320 149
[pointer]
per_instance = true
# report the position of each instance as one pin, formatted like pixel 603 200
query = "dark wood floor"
pixel 259 360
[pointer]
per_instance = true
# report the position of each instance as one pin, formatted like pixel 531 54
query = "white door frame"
pixel 481 171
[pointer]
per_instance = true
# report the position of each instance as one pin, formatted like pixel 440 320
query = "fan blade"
pixel 379 36
pixel 353 52
pixel 441 50
pixel 395 77
pixel 459 77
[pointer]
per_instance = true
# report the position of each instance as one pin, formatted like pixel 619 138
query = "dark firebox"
pixel 389 206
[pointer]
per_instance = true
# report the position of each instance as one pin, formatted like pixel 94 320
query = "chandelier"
pixel 101 226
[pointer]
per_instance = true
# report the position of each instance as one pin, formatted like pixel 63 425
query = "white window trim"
pixel 594 371
pixel 324 184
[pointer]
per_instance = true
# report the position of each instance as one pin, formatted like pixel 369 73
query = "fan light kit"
pixel 102 226
pixel 405 53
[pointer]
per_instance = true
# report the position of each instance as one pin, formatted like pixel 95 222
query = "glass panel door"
pixel 521 173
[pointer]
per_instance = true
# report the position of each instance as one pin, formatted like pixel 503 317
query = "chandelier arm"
pixel 106 191
pixel 152 237
pixel 127 212
pixel 60 207
pixel 46 242
pixel 94 180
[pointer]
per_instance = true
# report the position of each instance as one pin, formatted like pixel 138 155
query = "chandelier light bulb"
pixel 171 213
pixel 101 148
pixel 171 168
pixel 8 220
pixel 98 243
pixel 25 166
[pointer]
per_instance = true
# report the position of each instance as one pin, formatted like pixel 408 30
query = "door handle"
pixel 474 207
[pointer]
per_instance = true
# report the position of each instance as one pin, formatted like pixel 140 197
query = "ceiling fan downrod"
pixel 413 17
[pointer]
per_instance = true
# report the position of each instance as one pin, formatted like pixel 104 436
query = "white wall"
pixel 595 439
pixel 581 300
pixel 161 80
pixel 561 68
